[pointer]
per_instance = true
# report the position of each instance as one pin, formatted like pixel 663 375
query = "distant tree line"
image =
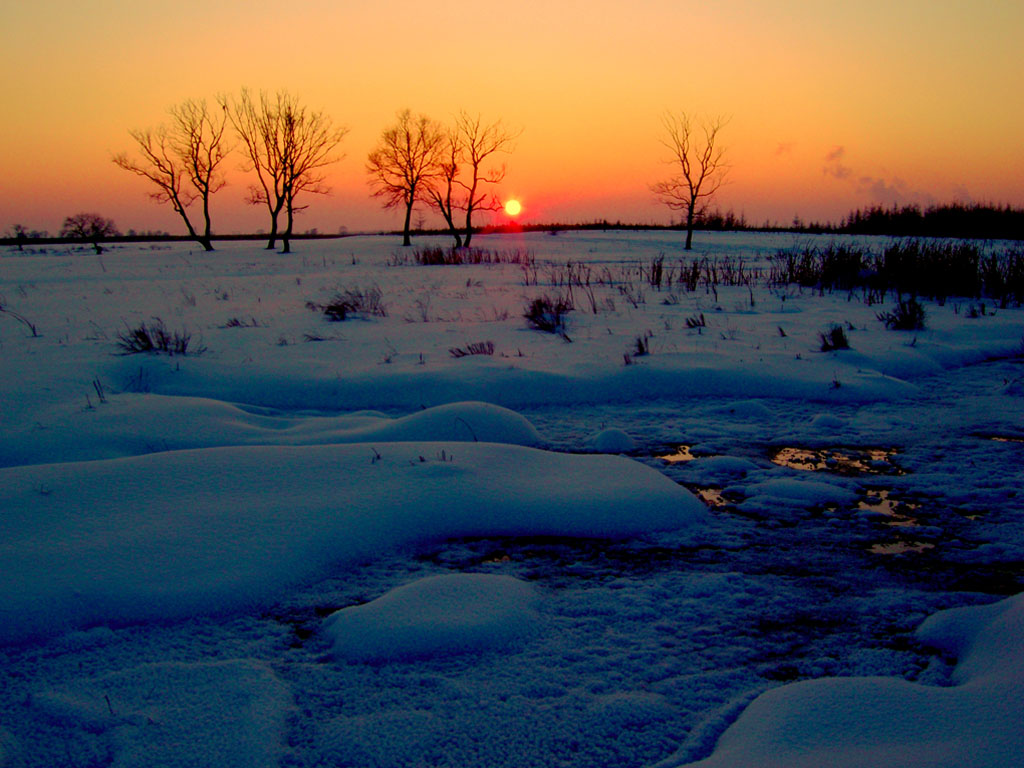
pixel 958 220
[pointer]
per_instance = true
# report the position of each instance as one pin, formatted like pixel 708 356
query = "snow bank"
pixel 230 713
pixel 611 440
pixel 437 615
pixel 170 534
pixel 890 722
pixel 278 384
pixel 135 424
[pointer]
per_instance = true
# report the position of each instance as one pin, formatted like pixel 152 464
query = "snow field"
pixel 332 543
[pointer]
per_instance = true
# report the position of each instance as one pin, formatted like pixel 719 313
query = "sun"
pixel 513 208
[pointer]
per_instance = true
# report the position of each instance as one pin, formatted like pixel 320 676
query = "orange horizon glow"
pixel 831 108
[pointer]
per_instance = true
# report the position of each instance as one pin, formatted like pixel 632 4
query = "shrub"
pixel 352 301
pixel 834 338
pixel 908 315
pixel 548 314
pixel 155 338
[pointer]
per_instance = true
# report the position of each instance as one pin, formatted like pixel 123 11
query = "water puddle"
pixel 712 497
pixel 841 461
pixel 880 501
pixel 1004 438
pixel 681 455
pixel 901 548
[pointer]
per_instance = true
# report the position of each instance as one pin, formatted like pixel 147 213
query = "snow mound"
pixel 464 421
pixel 229 713
pixel 611 440
pixel 224 529
pixel 133 425
pixel 437 615
pixel 885 722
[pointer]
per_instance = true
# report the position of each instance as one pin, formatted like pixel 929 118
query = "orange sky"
pixel 831 106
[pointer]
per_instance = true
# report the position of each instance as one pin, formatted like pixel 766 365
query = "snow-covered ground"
pixel 341 544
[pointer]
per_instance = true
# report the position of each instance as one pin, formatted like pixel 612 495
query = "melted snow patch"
pixel 436 616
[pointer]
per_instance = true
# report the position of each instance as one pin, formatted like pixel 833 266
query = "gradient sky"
pixel 832 105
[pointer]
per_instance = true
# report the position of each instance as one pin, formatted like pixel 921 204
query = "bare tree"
pixel 18 233
pixel 480 141
pixel 465 171
pixel 90 227
pixel 287 147
pixel 700 166
pixel 404 162
pixel 183 161
pixel 441 192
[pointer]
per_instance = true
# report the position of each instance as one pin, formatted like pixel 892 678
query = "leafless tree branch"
pixel 700 166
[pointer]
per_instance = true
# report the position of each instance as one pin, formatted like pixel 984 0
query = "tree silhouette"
pixel 441 192
pixel 700 167
pixel 287 147
pixel 90 227
pixel 183 161
pixel 18 233
pixel 404 162
pixel 479 143
pixel 465 172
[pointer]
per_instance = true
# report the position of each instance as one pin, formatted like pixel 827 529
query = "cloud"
pixel 833 166
pixel 880 191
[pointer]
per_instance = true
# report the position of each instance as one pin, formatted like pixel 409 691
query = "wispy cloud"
pixel 881 191
pixel 834 165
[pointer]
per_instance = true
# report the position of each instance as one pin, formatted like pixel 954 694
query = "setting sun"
pixel 513 208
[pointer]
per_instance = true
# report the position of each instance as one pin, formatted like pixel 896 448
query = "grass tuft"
pixel 155 338
pixel 477 348
pixel 834 338
pixel 547 314
pixel 908 315
pixel 352 302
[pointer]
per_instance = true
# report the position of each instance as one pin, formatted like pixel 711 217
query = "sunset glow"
pixel 513 208
pixel 830 106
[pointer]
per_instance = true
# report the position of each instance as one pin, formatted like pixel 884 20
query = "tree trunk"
pixel 286 238
pixel 689 228
pixel 469 219
pixel 272 241
pixel 406 239
pixel 205 240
